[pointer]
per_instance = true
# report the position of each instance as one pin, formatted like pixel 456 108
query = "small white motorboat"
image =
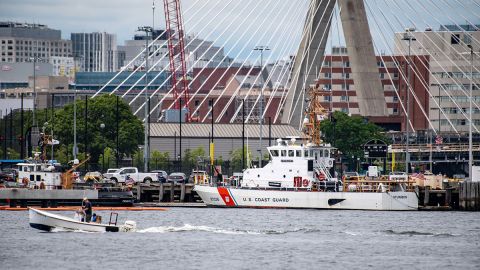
pixel 46 221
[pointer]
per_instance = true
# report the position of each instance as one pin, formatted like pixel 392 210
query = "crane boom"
pixel 176 52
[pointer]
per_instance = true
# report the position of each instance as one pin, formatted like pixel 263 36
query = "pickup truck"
pixel 121 175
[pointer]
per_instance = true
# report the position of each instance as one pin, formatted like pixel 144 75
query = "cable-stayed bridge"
pixel 408 65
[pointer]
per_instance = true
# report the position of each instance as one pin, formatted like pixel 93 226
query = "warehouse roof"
pixel 203 130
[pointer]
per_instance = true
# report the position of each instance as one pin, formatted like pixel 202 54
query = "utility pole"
pixel 34 90
pixel 243 134
pixel 146 150
pixel 117 154
pixel 22 140
pixel 470 140
pixel 212 148
pixel 408 36
pixel 261 49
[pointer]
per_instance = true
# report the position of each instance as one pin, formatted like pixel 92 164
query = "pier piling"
pixel 182 192
pixel 160 192
pixel 172 191
pixel 470 196
pixel 426 198
pixel 448 197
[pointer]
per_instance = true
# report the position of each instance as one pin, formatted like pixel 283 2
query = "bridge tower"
pixel 311 52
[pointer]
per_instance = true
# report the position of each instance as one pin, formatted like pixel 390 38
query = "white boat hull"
pixel 257 198
pixel 46 221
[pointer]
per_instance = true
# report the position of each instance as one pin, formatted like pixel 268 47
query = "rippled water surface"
pixel 207 238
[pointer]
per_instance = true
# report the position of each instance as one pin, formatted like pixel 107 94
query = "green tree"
pixel 350 133
pixel 101 110
pixel 109 160
pixel 137 159
pixel 159 160
pixel 236 159
pixel 12 154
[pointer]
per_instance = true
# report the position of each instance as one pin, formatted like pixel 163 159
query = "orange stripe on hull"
pixel 227 199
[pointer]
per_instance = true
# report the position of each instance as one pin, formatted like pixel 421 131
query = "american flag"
pixel 438 140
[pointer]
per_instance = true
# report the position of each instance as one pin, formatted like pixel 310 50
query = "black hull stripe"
pixel 41 227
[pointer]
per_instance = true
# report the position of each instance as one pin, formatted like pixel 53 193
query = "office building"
pixel 338 87
pixel 96 51
pixel 449 77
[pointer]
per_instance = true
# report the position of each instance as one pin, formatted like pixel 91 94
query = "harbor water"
pixel 206 238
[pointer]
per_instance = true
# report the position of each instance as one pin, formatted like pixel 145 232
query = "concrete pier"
pixel 46 198
pixel 165 192
pixel 469 196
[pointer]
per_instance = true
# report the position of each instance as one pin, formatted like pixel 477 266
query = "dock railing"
pixel 377 184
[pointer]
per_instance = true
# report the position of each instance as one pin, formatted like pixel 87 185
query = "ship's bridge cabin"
pixel 40 172
pixel 288 150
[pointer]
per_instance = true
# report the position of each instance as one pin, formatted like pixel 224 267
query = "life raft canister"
pixel 305 182
pixel 321 176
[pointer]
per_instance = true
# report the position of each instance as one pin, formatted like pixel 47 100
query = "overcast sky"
pixel 238 25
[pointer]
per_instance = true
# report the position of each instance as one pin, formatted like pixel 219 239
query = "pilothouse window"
pixel 306 153
pixel 298 153
pixel 291 153
pixel 284 153
pixel 274 153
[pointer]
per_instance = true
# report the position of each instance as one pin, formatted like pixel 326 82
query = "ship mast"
pixel 314 114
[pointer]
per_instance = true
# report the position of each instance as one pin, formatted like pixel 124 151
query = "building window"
pixel 455 39
pixel 346 64
pixel 327 87
pixel 345 86
pixel 344 98
pixel 327 63
pixel 327 98
pixel 395 110
pixel 197 102
pixel 395 98
pixel 328 75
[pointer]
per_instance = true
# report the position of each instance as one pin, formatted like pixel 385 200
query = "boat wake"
pixel 201 228
pixel 190 228
pixel 418 233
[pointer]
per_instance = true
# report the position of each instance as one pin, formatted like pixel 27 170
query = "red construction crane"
pixel 176 51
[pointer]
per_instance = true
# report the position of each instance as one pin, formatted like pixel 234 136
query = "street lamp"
pixel 146 29
pixel 75 147
pixel 34 59
pixel 261 49
pixel 470 140
pixel 408 36
pixel 102 126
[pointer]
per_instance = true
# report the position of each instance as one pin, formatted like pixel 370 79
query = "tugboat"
pixel 39 172
pixel 298 176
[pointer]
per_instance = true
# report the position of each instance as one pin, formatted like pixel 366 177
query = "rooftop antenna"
pixel 153 18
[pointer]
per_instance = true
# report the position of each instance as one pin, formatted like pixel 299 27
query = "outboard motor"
pixel 129 226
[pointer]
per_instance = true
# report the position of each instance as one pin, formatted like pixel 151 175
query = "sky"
pixel 238 25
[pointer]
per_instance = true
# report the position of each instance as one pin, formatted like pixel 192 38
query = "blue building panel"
pixel 96 80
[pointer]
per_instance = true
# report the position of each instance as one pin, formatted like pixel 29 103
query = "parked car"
pixel 177 177
pixel 8 174
pixel 121 175
pixel 109 173
pixel 162 175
